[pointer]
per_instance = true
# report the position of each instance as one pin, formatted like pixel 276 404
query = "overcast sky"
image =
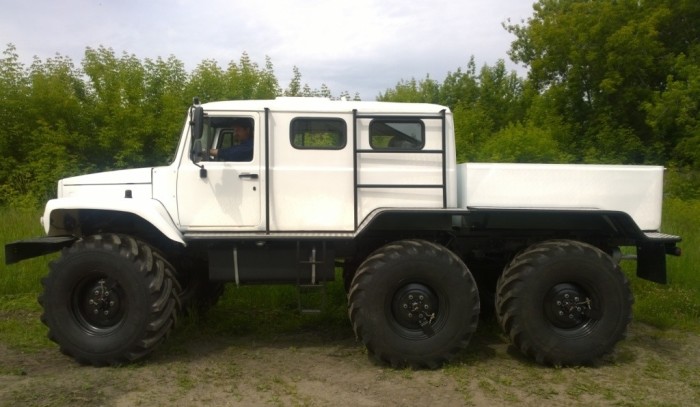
pixel 363 46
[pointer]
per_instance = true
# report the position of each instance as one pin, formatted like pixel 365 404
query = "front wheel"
pixel 413 303
pixel 564 302
pixel 109 299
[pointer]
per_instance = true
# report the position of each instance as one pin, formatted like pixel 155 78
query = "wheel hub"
pixel 415 306
pixel 568 306
pixel 101 306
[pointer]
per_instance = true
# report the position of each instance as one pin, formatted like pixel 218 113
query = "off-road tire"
pixel 564 303
pixel 423 279
pixel 109 299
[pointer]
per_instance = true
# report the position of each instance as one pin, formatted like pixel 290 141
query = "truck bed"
pixel 635 190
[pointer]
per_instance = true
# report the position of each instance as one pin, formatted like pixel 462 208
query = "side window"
pixel 233 138
pixel 318 133
pixel 397 134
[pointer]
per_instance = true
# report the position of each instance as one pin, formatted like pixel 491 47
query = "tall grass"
pixel 682 218
pixel 676 304
pixel 23 277
pixel 20 283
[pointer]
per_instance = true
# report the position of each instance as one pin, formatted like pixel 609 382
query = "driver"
pixel 243 149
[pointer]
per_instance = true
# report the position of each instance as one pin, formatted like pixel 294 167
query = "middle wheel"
pixel 414 303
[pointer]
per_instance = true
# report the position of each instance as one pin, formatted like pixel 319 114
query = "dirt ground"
pixel 651 367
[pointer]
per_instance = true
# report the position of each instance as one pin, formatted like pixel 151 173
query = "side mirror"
pixel 197 153
pixel 197 120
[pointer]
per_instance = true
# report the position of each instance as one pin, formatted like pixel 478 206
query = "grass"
pixel 676 304
pixel 19 323
pixel 25 276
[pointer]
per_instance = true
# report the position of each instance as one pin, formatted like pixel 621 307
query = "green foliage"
pixel 624 74
pixel 115 111
pixel 682 184
pixel 482 104
pixel 674 112
pixel 522 143
pixel 412 91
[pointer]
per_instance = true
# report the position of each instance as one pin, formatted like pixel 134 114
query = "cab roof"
pixel 324 105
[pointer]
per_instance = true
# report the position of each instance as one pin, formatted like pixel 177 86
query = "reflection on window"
pixel 397 134
pixel 318 133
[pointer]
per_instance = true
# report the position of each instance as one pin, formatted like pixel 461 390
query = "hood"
pixel 108 185
pixel 120 177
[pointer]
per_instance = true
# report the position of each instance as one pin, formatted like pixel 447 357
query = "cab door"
pixel 222 195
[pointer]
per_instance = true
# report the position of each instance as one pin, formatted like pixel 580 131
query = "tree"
pixel 246 80
pixel 602 62
pixel 123 138
pixel 412 91
pixel 207 81
pixel 14 89
pixel 165 101
pixel 482 104
pixel 294 88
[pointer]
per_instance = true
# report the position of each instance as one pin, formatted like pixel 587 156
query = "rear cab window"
pixel 397 134
pixel 311 133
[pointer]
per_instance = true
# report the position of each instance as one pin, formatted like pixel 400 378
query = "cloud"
pixel 364 45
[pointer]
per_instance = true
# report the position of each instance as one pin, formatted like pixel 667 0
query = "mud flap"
pixel 651 262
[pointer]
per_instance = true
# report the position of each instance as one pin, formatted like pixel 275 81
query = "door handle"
pixel 248 175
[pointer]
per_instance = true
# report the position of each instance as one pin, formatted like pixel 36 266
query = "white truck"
pixel 369 188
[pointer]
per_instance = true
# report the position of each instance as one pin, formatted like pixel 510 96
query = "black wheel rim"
pixel 99 304
pixel 417 310
pixel 570 307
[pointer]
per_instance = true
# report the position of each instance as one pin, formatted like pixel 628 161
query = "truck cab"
pixel 318 166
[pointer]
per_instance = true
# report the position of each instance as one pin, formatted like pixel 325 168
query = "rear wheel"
pixel 109 299
pixel 564 302
pixel 413 303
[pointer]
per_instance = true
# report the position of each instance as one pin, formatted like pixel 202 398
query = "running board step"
pixel 317 292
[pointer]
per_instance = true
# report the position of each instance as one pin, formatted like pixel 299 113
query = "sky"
pixel 363 46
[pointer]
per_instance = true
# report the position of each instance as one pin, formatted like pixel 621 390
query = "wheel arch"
pixel 146 219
